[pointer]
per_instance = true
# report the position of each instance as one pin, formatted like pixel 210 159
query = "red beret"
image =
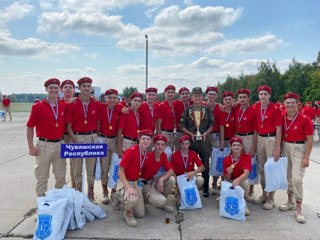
pixel 160 137
pixel 308 102
pixel 111 91
pixel 151 89
pixel 264 88
pixel 84 80
pixel 209 89
pixel 184 89
pixel 184 138
pixel 227 94
pixel 170 87
pixel 244 90
pixel 136 94
pixel 52 81
pixel 291 95
pixel 67 82
pixel 235 139
pixel 146 132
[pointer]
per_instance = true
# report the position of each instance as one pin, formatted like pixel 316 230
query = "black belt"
pixel 66 133
pixel 105 136
pixel 227 139
pixel 166 130
pixel 244 134
pixel 268 135
pixel 49 140
pixel 85 133
pixel 216 132
pixel 296 142
pixel 129 138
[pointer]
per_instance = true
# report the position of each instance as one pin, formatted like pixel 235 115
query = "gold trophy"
pixel 197 120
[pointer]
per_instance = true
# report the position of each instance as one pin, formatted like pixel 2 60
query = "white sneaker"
pixel 260 200
pixel 300 218
pixel 268 205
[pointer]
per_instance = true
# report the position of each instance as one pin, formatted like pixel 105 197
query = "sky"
pixel 190 42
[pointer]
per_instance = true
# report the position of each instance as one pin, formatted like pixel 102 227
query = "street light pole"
pixel 146 36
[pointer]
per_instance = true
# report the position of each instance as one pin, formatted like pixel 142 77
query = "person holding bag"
pixel 237 166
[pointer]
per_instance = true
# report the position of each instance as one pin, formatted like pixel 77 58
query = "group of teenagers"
pixel 189 127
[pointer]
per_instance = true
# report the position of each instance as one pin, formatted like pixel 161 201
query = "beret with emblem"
pixel 111 91
pixel 235 139
pixel 291 95
pixel 243 91
pixel 211 88
pixel 136 94
pixel 151 89
pixel 84 80
pixel 160 137
pixel 264 88
pixel 170 87
pixel 65 82
pixel 227 94
pixel 184 138
pixel 146 132
pixel 52 81
pixel 184 89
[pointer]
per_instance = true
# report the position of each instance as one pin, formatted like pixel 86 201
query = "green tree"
pixel 127 91
pixel 312 93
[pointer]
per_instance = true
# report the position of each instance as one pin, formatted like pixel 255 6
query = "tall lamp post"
pixel 146 36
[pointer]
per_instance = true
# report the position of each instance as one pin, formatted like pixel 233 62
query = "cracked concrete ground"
pixel 18 200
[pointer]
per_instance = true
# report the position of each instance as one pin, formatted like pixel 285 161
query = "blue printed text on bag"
pixel 85 150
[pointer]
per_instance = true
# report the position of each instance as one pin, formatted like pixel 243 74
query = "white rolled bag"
pixel 113 174
pixel 232 204
pixel 253 177
pixel 217 156
pixel 190 198
pixel 275 173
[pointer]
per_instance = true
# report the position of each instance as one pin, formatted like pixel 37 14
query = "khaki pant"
pixel 131 203
pixel 171 139
pixel 66 139
pixel 106 161
pixel 247 142
pixel 90 164
pixel 265 148
pixel 295 154
pixel 7 111
pixel 49 153
pixel 126 143
pixel 155 198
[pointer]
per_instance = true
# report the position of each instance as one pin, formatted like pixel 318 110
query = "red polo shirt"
pixel 76 115
pixel 244 163
pixel 272 118
pixel 299 129
pixel 6 102
pixel 218 120
pixel 248 120
pixel 152 166
pixel 310 112
pixel 167 115
pixel 177 163
pixel 131 163
pixel 106 128
pixel 43 119
pixel 179 107
pixel 230 123
pixel 148 116
pixel 128 123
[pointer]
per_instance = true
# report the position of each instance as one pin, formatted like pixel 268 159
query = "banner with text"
pixel 84 150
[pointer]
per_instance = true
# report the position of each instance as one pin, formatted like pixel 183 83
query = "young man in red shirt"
pixel 148 110
pixel 237 167
pixel 48 117
pixel 83 118
pixel 130 185
pixel 158 188
pixel 229 117
pixel 269 129
pixel 6 107
pixel 297 132
pixel 110 113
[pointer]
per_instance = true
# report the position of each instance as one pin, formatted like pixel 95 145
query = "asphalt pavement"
pixel 18 201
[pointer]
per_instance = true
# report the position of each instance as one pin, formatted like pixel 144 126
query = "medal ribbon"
pixel 151 111
pixel 85 109
pixel 285 122
pixel 234 163
pixel 262 115
pixel 185 161
pixel 137 119
pixel 240 117
pixel 142 160
pixel 227 119
pixel 55 112
pixel 109 115
pixel 173 114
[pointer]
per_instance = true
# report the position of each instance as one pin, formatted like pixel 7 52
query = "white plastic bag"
pixel 232 203
pixel 97 170
pixel 93 208
pixel 89 216
pixel 113 174
pixel 275 173
pixel 80 219
pixel 190 198
pixel 253 177
pixel 168 151
pixel 217 156
pixel 50 218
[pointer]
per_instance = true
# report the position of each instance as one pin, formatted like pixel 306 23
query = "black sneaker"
pixel 205 193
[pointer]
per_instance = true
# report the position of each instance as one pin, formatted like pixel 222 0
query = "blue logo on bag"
pixel 219 166
pixel 161 170
pixel 253 173
pixel 232 205
pixel 190 196
pixel 44 226
pixel 115 176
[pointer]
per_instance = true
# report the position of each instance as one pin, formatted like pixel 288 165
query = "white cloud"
pixel 91 55
pixel 15 11
pixel 131 69
pixel 188 2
